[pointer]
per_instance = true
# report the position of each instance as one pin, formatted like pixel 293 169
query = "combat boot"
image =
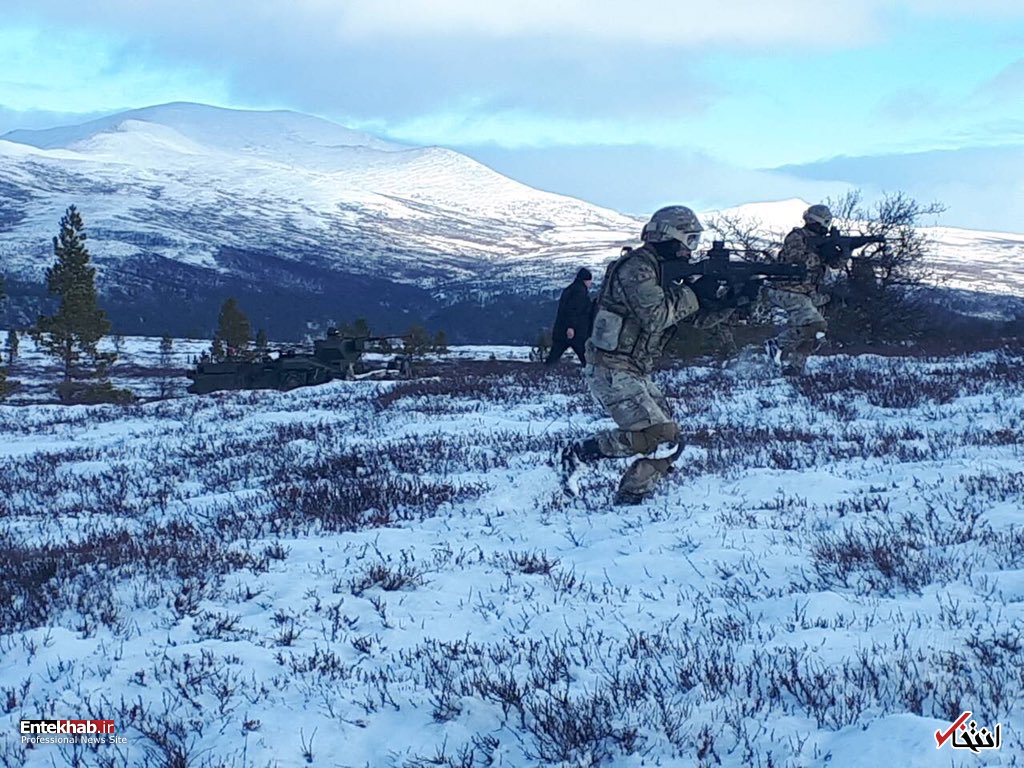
pixel 640 480
pixel 625 498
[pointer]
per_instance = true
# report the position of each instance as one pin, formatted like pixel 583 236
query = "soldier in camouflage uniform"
pixel 634 320
pixel 802 301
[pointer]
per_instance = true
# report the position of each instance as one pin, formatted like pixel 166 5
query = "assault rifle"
pixel 742 279
pixel 835 248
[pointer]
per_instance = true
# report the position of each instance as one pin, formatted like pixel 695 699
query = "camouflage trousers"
pixel 719 332
pixel 644 427
pixel 803 324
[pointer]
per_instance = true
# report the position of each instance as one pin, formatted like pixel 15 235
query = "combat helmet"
pixel 675 222
pixel 820 216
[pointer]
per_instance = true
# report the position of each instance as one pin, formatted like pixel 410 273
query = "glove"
pixel 831 255
pixel 750 292
pixel 711 295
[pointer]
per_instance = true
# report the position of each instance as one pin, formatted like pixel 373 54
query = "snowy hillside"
pixel 387 574
pixel 305 221
pixel 198 179
pixel 300 219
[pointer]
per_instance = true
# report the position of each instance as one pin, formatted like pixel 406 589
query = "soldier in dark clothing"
pixel 572 323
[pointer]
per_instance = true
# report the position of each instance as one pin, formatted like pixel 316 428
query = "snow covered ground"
pixel 387 573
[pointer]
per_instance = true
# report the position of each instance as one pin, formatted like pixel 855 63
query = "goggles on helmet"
pixel 691 240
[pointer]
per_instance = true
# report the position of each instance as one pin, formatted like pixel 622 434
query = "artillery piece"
pixel 334 357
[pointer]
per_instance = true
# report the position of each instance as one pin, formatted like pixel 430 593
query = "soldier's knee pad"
pixel 648 439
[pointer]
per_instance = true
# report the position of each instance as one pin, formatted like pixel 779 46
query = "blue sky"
pixel 631 105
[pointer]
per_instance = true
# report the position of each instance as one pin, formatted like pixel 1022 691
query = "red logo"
pixel 970 737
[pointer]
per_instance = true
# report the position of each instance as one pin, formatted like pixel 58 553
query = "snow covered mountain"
pixel 307 221
pixel 199 201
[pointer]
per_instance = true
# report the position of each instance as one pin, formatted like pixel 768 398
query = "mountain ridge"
pixel 292 213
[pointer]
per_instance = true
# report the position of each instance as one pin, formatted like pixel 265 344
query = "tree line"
pixel 233 339
pixel 71 335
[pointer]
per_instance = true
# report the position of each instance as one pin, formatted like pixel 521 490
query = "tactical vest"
pixel 617 338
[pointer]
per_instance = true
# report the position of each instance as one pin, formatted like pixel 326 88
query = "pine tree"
pixel 73 332
pixel 261 342
pixel 416 341
pixel 166 350
pixel 361 327
pixel 440 342
pixel 166 353
pixel 233 328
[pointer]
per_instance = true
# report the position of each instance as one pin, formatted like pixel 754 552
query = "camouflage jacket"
pixel 796 249
pixel 635 317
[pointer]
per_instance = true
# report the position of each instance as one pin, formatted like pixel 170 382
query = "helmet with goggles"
pixel 819 216
pixel 675 222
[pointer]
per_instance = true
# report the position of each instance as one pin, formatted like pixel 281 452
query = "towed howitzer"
pixel 335 357
pixel 835 248
pixel 740 278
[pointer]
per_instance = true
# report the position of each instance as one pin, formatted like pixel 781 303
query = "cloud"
pixel 318 57
pixel 982 187
pixel 997 9
pixel 683 23
pixel 12 119
pixel 404 60
pixel 911 104
pixel 475 125
pixel 1008 84
pixel 79 71
pixel 649 22
pixel 641 179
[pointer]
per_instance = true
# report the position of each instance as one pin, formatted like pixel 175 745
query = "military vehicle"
pixel 334 357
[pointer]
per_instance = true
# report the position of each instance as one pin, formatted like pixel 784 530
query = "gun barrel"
pixel 723 269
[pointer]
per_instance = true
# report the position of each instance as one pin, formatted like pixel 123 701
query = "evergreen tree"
pixel 261 342
pixel 12 346
pixel 166 350
pixel 233 329
pixel 440 342
pixel 416 341
pixel 361 327
pixel 166 360
pixel 73 332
